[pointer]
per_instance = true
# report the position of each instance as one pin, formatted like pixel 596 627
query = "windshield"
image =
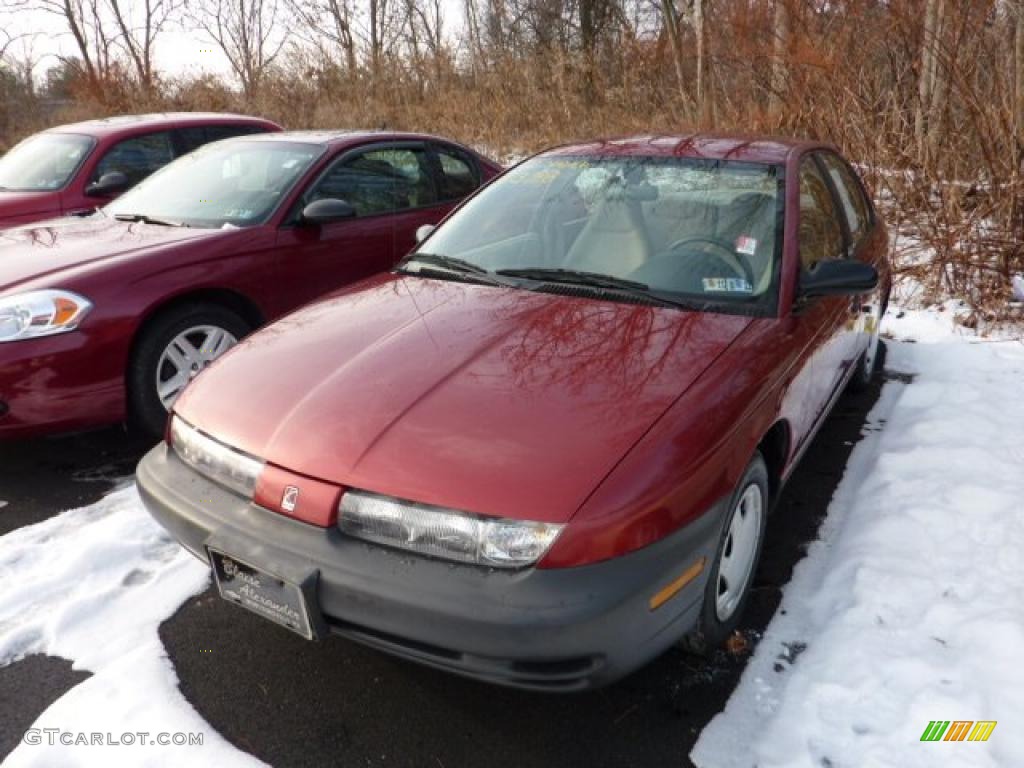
pixel 235 182
pixel 696 231
pixel 44 162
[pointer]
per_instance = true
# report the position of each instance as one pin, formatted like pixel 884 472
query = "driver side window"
pixel 137 157
pixel 378 181
pixel 821 234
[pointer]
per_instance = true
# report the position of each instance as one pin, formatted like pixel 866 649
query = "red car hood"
pixel 16 206
pixel 491 400
pixel 42 251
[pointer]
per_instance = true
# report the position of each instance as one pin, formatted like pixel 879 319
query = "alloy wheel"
pixel 186 356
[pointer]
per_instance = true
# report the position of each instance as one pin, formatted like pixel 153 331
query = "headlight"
pixel 232 469
pixel 445 533
pixel 40 313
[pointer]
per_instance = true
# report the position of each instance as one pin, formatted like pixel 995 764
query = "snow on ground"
pixel 908 608
pixel 93 585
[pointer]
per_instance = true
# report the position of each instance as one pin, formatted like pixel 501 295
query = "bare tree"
pixel 1017 205
pixel 671 21
pixel 1018 78
pixel 329 21
pixel 247 33
pixel 932 83
pixel 84 21
pixel 377 34
pixel 700 29
pixel 783 34
pixel 139 23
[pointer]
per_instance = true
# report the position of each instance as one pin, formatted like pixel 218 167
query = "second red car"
pixel 111 315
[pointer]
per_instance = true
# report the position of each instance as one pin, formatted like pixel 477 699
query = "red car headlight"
pixel 221 463
pixel 40 313
pixel 445 533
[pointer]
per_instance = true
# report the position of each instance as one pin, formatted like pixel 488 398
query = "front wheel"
pixel 732 572
pixel 867 365
pixel 175 348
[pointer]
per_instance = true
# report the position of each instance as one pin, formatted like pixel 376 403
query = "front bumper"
pixel 544 629
pixel 57 383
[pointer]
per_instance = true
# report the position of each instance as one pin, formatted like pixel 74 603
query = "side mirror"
pixel 422 233
pixel 327 211
pixel 837 278
pixel 108 185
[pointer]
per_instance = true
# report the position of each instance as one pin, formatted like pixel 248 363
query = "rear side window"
pixel 378 181
pixel 851 195
pixel 137 157
pixel 821 234
pixel 459 175
pixel 198 135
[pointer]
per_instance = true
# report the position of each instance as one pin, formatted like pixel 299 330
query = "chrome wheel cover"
pixel 188 354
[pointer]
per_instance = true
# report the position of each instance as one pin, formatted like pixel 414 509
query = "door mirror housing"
pixel 837 278
pixel 422 233
pixel 108 185
pixel 327 211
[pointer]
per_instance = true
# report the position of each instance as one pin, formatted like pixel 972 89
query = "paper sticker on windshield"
pixel 746 245
pixel 727 285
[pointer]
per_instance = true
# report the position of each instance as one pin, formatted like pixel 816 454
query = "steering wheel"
pixel 724 254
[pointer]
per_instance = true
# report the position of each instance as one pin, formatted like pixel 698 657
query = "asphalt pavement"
pixel 294 703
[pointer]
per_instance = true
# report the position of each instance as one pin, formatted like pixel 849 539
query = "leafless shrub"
pixel 927 95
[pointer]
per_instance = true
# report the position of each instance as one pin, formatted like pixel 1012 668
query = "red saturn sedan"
pixel 112 314
pixel 72 169
pixel 544 448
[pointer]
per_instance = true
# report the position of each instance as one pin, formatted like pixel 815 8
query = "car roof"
pixel 131 123
pixel 339 137
pixel 716 146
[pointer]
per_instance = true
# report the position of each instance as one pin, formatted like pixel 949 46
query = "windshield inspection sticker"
pixel 727 285
pixel 746 245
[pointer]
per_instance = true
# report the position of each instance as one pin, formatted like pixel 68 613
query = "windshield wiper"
pixel 448 262
pixel 576 277
pixel 143 218
pixel 455 266
pixel 595 280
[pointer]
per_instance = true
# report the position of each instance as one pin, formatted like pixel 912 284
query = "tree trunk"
pixel 1017 209
pixel 704 101
pixel 926 77
pixel 671 21
pixel 780 60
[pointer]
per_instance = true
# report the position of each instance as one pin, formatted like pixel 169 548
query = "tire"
pixel 188 328
pixel 740 544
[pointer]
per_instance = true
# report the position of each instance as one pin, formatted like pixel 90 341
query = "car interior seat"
pixel 614 241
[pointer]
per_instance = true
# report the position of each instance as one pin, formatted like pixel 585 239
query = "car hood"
pixel 15 205
pixel 491 400
pixel 46 249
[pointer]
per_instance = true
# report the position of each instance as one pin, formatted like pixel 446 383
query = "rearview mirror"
pixel 424 232
pixel 837 278
pixel 108 185
pixel 327 211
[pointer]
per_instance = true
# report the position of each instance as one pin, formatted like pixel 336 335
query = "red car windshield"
pixel 237 182
pixel 44 162
pixel 704 231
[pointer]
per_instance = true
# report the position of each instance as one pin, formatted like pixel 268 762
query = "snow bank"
pixel 93 585
pixel 910 603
